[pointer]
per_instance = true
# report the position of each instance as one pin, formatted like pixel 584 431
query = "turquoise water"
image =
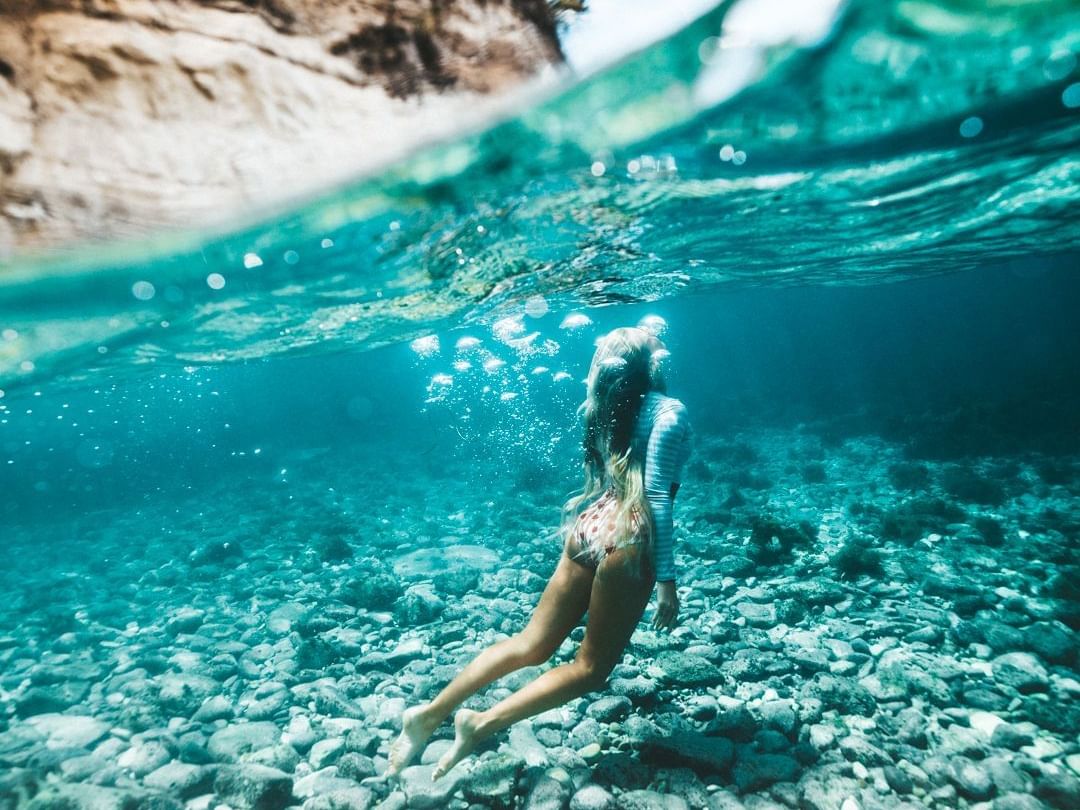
pixel 266 486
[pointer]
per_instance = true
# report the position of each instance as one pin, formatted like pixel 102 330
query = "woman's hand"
pixel 667 606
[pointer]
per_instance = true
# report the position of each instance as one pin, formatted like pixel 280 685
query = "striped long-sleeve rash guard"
pixel 663 434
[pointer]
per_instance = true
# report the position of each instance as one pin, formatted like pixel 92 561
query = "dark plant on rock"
pixel 1055 472
pixel 909 475
pixel 376 588
pixel 701 471
pixel 457 582
pixel 314 653
pixel 734 500
pixel 716 517
pixel 814 473
pixel 772 542
pixel 861 508
pixel 537 477
pixel 1065 584
pixel 912 519
pixel 857 557
pixel 1052 520
pixel 991 531
pixel 747 479
pixel 55 621
pixel 418 606
pixel 334 548
pixel 965 485
pixel 738 453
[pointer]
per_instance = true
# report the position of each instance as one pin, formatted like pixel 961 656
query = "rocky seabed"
pixel 855 633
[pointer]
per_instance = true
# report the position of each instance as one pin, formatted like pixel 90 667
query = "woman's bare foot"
pixel 466 736
pixel 416 730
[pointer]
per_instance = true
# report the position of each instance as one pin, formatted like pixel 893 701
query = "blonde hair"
pixel 624 369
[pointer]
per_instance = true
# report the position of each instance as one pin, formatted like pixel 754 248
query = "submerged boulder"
pixel 208 105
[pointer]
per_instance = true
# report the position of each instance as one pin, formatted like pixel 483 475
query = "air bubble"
pixel 252 260
pixel 536 306
pixel 506 328
pixel 575 320
pixel 215 281
pixel 143 290
pixel 970 127
pixel 425 346
pixel 653 324
pixel 1059 65
pixel 1070 96
pixel 708 50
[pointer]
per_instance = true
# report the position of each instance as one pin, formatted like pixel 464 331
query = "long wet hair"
pixel 624 369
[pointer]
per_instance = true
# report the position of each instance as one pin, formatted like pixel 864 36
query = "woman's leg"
pixel 618 599
pixel 560 609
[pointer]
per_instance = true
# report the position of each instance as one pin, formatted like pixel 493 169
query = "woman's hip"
pixel 633 552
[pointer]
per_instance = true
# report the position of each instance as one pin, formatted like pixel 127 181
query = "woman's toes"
pixel 415 732
pixel 465 739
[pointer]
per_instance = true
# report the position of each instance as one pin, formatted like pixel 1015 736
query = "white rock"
pixel 324 781
pixel 144 757
pixel 524 742
pixel 985 722
pixel 326 752
pixel 1073 761
pixel 1043 748
pixel 822 736
pixel 69 731
pixel 299 733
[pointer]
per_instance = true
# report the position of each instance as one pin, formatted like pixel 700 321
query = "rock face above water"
pixel 123 116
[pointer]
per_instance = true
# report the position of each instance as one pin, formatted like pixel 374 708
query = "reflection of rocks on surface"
pixel 120 117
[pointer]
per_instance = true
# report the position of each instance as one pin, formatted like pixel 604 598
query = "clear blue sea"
pixel 263 487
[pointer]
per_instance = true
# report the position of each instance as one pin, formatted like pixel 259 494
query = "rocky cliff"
pixel 124 117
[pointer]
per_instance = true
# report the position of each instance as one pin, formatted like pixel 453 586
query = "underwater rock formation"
pixel 120 117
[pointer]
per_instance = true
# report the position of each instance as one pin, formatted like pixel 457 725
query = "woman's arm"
pixel 666 453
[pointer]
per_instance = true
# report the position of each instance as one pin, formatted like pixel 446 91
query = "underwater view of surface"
pixel 267 487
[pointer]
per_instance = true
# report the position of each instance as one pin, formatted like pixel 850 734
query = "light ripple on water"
pixel 857 169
